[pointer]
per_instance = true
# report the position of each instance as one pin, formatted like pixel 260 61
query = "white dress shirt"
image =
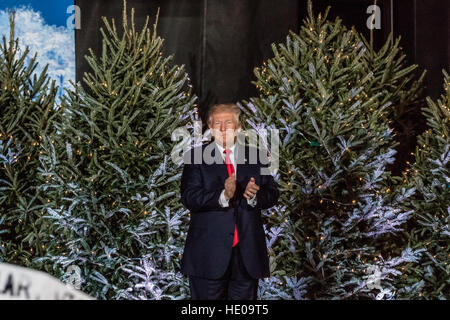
pixel 222 200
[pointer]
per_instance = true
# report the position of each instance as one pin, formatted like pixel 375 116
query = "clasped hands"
pixel 230 187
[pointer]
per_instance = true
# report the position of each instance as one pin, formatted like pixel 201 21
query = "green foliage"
pixel 331 97
pixel 27 111
pixel 111 186
pixel 92 183
pixel 430 174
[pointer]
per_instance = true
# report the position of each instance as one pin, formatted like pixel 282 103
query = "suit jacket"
pixel 208 246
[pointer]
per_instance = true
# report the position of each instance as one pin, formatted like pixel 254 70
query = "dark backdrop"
pixel 221 41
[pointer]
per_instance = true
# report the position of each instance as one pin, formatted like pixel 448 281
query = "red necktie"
pixel 230 169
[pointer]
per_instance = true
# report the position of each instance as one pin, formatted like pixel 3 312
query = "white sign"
pixel 19 283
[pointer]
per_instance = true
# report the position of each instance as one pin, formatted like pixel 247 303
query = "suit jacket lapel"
pixel 221 167
pixel 242 173
pixel 241 161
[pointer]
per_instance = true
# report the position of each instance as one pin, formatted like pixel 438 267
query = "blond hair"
pixel 225 107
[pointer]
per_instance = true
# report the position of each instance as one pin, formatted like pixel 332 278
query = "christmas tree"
pixel 27 109
pixel 334 234
pixel 111 185
pixel 429 230
pixel 386 69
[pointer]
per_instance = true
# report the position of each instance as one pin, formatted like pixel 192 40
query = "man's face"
pixel 223 128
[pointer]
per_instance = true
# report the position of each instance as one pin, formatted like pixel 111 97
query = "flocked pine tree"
pixel 386 69
pixel 429 230
pixel 112 188
pixel 328 237
pixel 8 157
pixel 26 111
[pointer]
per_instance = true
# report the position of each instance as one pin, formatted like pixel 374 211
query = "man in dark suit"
pixel 225 252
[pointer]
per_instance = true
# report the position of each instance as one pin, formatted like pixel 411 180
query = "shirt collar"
pixel 221 149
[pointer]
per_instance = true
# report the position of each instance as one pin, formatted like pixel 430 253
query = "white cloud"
pixel 54 45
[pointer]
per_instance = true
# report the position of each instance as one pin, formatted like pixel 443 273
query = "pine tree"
pixel 333 234
pixel 386 69
pixel 112 188
pixel 27 108
pixel 430 174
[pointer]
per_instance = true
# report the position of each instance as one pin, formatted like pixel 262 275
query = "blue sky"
pixel 53 11
pixel 42 26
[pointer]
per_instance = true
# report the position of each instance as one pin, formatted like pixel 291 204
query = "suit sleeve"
pixel 193 195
